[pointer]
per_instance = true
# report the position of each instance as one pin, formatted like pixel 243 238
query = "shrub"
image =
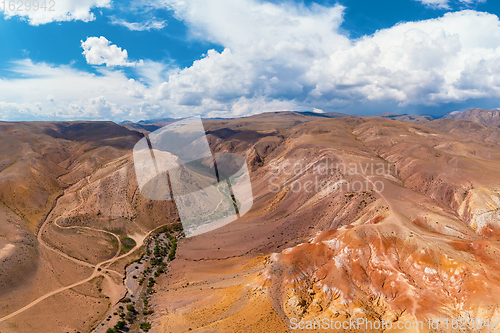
pixel 121 324
pixel 145 326
pixel 129 317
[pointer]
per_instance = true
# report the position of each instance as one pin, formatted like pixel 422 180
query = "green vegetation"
pixel 160 251
pixel 129 317
pixel 119 326
pixel 148 312
pixel 169 228
pixel 171 255
pixel 145 326
pixel 128 243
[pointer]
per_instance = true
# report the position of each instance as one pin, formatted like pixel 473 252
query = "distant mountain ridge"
pixel 481 116
pixel 485 117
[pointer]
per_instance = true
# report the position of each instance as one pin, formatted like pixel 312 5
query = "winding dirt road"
pixel 100 269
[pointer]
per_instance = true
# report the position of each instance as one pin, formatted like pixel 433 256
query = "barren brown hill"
pixel 423 248
pixel 353 217
pixel 49 170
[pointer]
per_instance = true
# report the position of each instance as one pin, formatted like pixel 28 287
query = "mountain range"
pixel 390 218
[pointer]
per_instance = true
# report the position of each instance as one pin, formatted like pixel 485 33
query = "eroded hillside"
pixel 368 218
pixel 68 204
pixel 407 232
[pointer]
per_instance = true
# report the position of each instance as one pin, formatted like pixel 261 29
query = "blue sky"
pixel 118 60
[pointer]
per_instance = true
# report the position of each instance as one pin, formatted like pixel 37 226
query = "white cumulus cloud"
pixel 99 51
pixel 296 53
pixel 54 10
